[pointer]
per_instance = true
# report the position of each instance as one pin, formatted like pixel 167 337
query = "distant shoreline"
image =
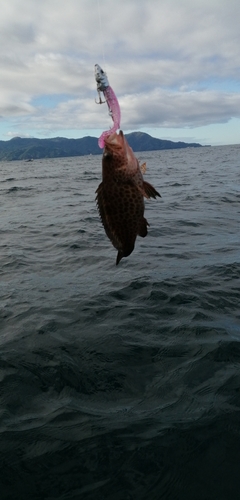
pixel 19 148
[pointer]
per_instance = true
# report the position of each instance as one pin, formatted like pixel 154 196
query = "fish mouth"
pixel 115 142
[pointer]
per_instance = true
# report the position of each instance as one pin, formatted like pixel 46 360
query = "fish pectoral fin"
pixel 149 191
pixel 143 168
pixel 143 228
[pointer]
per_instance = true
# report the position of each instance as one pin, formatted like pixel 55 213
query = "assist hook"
pixel 100 99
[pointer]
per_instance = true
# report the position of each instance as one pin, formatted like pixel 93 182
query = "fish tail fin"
pixel 149 190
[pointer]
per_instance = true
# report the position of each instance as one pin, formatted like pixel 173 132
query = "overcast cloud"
pixel 174 65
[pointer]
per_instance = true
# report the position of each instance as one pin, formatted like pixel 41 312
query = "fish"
pixel 111 100
pixel 120 195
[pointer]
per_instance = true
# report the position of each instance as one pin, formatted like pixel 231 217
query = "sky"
pixel 173 64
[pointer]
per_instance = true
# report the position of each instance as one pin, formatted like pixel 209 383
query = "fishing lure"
pixel 111 100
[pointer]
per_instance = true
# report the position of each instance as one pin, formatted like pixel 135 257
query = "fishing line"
pixel 101 32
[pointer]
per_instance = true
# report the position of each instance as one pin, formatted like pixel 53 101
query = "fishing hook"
pixel 100 99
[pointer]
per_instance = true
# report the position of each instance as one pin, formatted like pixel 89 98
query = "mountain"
pixel 140 141
pixel 26 148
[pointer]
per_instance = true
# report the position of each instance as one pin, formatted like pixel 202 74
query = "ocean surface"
pixel 120 382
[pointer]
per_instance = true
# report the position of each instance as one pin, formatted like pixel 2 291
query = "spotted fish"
pixel 120 196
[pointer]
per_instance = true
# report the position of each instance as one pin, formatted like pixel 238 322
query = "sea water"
pixel 120 382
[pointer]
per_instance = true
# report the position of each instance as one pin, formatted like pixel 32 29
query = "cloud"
pixel 180 109
pixel 156 109
pixel 171 63
pixel 10 135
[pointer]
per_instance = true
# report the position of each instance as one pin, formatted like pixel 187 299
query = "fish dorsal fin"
pixel 103 208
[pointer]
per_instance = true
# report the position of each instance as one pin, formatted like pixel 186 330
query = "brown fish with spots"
pixel 120 196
